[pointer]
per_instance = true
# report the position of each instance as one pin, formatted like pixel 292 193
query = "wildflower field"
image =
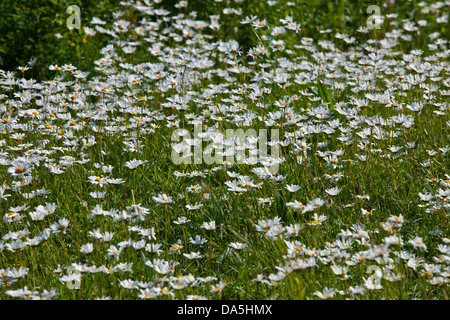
pixel 128 167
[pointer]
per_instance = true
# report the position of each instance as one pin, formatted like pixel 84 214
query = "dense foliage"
pixel 350 201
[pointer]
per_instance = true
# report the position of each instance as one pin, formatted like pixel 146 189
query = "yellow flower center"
pixel 19 170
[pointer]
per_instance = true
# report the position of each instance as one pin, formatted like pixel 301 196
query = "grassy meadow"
pixel 351 201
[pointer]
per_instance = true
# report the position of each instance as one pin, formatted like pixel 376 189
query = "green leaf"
pixel 323 92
